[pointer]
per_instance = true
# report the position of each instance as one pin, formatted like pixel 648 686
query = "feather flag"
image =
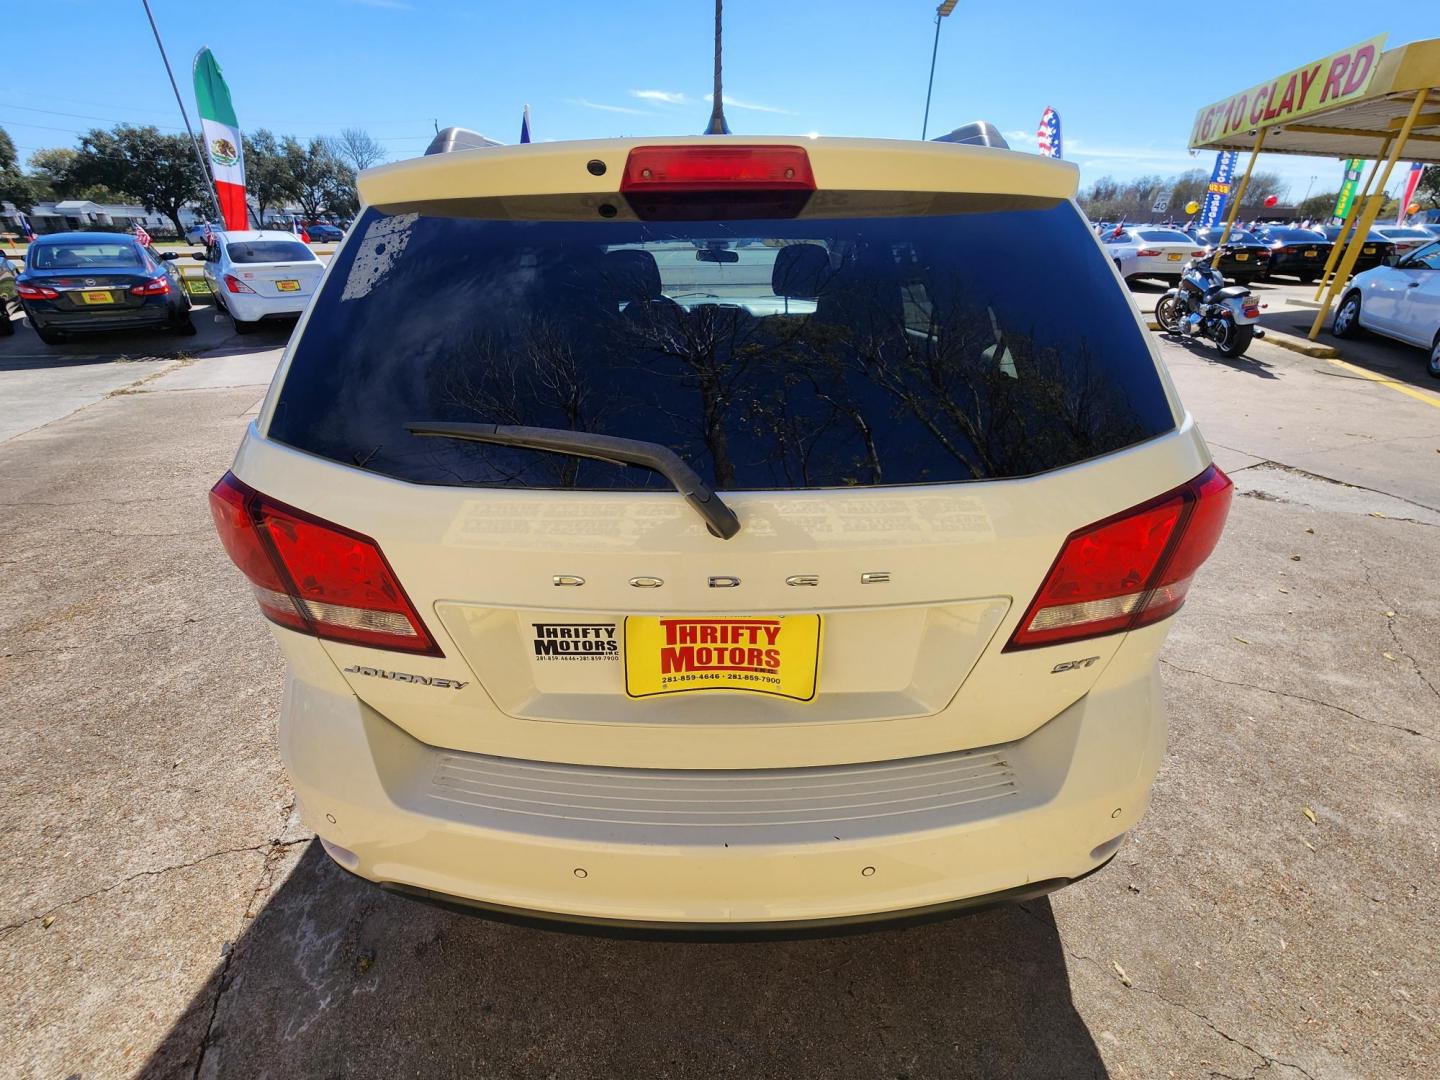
pixel 222 139
pixel 1047 138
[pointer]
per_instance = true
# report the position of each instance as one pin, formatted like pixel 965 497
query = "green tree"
pixel 158 171
pixel 1317 207
pixel 1427 192
pixel 270 174
pixel 324 181
pixel 52 170
pixel 15 186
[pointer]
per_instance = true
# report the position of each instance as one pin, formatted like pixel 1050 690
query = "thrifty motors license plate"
pixel 97 297
pixel 1242 256
pixel 1312 254
pixel 288 286
pixel 1174 256
pixel 767 654
pixel 1369 251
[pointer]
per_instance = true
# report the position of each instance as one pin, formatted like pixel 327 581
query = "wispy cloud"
pixel 584 104
pixel 384 5
pixel 669 97
pixel 752 106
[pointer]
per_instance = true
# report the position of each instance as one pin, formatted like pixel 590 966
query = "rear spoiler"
pixel 458 138
pixel 978 133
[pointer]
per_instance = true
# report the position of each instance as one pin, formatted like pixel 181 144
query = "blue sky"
pixel 642 67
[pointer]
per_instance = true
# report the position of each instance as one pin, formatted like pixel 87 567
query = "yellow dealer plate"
pixel 767 654
pixel 1242 256
pixel 288 286
pixel 97 297
pixel 1174 256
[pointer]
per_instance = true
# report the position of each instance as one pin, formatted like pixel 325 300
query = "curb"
pixel 1301 345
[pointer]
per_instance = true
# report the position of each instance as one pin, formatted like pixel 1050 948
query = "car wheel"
pixel 1346 323
pixel 186 328
pixel 7 325
pixel 49 337
pixel 1307 279
pixel 243 327
pixel 1433 367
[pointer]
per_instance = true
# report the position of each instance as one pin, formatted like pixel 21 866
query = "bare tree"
pixel 356 148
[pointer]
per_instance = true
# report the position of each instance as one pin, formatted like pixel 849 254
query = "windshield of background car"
pixel 819 352
pixel 268 251
pixel 82 256
pixel 1163 236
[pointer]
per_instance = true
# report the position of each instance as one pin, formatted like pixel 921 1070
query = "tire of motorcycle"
pixel 1234 340
pixel 1167 314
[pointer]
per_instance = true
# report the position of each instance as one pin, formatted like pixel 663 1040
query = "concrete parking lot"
pixel 163 913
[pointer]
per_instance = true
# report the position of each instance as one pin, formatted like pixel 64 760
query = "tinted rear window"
pixel 268 251
pixel 62 256
pixel 769 354
pixel 1301 235
pixel 1163 236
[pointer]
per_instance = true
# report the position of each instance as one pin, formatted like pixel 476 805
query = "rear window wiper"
pixel 720 519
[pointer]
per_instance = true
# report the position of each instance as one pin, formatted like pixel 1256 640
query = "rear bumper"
pixel 733 850
pixel 158 312
pixel 259 308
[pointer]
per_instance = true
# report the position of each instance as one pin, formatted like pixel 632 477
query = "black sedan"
pixel 321 233
pixel 1373 252
pixel 1245 256
pixel 81 282
pixel 1300 253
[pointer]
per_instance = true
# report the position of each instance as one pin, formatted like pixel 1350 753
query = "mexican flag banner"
pixel 221 132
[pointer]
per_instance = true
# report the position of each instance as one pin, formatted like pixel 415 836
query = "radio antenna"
pixel 717 125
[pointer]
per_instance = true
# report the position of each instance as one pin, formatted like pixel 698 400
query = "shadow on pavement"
pixel 1206 350
pixel 336 978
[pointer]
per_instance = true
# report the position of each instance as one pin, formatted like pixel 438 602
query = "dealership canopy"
pixel 1363 102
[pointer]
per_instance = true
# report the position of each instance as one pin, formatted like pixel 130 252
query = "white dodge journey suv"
pixel 721 533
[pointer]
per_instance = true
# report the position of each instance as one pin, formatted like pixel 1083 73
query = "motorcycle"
pixel 1203 306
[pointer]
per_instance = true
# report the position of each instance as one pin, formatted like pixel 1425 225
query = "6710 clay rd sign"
pixel 1322 83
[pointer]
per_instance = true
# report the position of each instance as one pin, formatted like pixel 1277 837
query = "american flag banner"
pixel 26 227
pixel 1047 138
pixel 141 234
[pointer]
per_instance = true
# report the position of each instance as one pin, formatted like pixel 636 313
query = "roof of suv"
pixel 561 168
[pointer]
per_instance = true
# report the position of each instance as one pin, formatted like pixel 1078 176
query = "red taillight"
pixel 154 287
pixel 1197 254
pixel 315 577
pixel 235 285
pixel 36 292
pixel 676 183
pixel 1149 251
pixel 1129 570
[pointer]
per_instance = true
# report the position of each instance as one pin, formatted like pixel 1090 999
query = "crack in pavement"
pixel 263 881
pixel 189 621
pixel 267 846
pixel 1328 480
pixel 1267 1060
pixel 1299 697
pixel 1390 605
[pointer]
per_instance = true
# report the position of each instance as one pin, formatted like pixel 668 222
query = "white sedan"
pixel 1400 301
pixel 1149 251
pixel 260 275
pixel 1406 238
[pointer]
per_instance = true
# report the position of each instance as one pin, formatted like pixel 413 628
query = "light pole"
pixel 1308 187
pixel 945 8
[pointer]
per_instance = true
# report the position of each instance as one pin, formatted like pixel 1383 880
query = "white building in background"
pixel 78 215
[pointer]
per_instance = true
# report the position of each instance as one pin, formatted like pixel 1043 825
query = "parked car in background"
pixel 321 233
pixel 1400 301
pixel 7 294
pixel 196 233
pixel 1296 252
pixel 1406 238
pixel 1150 251
pixel 1373 252
pixel 1244 257
pixel 805 665
pixel 1431 227
pixel 79 282
pixel 260 276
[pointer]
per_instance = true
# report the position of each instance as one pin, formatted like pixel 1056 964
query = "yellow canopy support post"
pixel 1368 215
pixel 1239 194
pixel 1358 201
